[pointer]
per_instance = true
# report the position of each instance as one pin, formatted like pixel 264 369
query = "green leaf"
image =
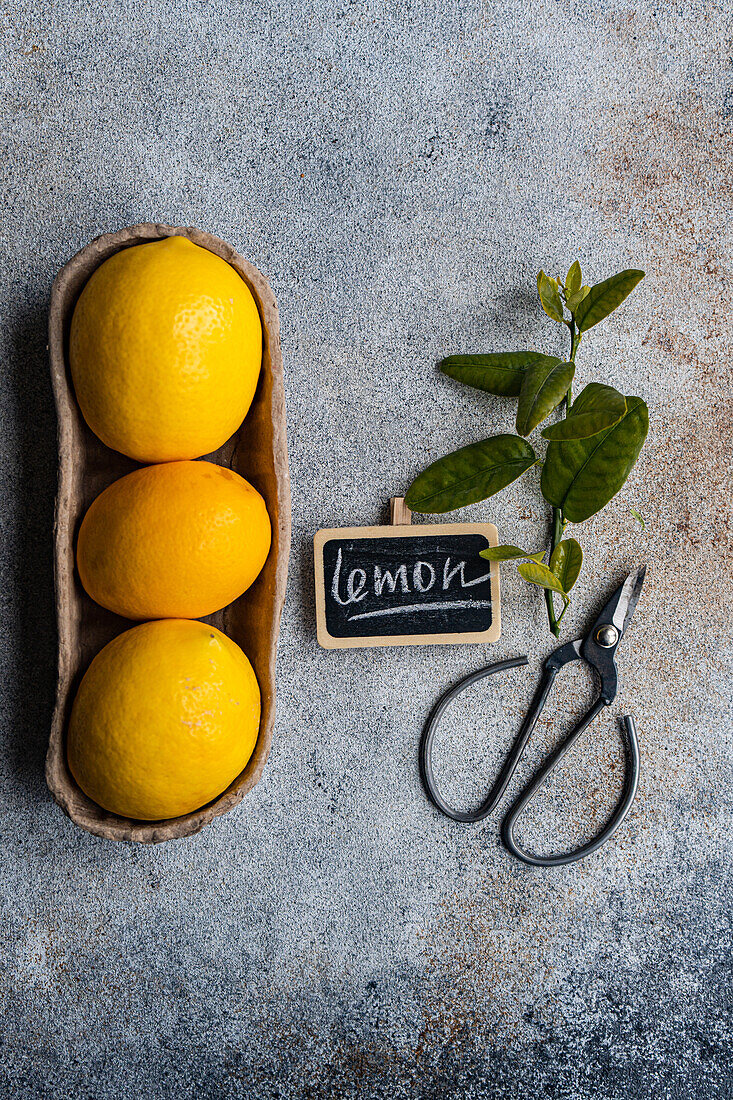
pixel 550 296
pixel 605 297
pixel 541 575
pixel 500 373
pixel 575 299
pixel 580 476
pixel 574 278
pixel 470 474
pixel 509 553
pixel 638 517
pixel 600 408
pixel 544 386
pixel 566 562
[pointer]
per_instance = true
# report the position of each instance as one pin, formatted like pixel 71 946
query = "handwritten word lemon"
pixel 165 719
pixel 165 351
pixel 176 540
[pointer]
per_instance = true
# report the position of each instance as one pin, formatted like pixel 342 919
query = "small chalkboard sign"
pixel 406 585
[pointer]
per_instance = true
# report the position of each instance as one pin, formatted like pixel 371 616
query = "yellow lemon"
pixel 165 719
pixel 177 540
pixel 165 351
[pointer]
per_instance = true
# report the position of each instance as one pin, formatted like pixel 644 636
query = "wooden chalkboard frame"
pixel 401 531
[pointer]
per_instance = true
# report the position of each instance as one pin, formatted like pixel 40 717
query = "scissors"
pixel 597 649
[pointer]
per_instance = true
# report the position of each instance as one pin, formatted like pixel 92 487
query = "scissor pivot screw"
pixel 607 636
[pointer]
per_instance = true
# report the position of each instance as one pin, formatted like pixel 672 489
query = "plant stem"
pixel 575 339
pixel 558 524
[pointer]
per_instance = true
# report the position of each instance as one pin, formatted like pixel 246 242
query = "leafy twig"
pixel 591 450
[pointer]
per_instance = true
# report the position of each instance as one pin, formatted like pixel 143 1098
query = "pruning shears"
pixel 598 650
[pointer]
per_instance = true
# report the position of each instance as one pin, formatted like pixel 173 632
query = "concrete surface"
pixel 400 171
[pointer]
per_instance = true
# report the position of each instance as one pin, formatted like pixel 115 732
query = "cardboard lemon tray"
pixel 257 451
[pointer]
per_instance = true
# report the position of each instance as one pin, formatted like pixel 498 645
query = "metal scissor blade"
pixel 627 599
pixel 600 645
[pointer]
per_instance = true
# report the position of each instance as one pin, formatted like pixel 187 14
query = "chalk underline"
pixel 420 607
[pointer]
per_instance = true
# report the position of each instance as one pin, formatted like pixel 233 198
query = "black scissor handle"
pixel 631 782
pixel 563 656
pixel 426 745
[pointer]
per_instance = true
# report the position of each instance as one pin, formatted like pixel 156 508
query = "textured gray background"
pixel 399 171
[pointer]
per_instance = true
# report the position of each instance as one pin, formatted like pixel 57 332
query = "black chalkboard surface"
pixel 406 585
